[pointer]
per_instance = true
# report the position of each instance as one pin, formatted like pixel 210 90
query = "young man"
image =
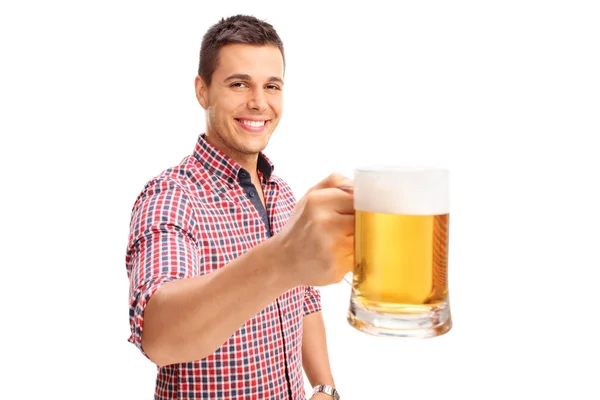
pixel 222 262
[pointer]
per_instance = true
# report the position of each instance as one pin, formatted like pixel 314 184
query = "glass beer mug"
pixel 400 277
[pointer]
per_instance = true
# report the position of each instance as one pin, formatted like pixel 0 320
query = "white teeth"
pixel 255 124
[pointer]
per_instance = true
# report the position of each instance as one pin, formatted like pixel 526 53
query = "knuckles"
pixel 337 179
pixel 321 236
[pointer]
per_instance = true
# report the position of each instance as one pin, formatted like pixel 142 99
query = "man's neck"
pixel 247 161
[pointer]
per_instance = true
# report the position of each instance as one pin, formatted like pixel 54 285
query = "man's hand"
pixel 318 240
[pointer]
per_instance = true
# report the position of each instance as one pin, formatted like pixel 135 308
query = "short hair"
pixel 234 29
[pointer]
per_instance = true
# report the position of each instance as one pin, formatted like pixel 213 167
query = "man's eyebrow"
pixel 246 77
pixel 275 79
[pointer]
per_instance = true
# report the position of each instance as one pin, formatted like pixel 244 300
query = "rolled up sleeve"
pixel 312 300
pixel 161 248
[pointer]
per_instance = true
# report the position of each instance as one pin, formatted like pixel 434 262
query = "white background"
pixel 97 97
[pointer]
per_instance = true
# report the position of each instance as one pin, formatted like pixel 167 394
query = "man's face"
pixel 244 101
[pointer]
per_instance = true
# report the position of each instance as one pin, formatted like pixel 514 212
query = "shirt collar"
pixel 221 165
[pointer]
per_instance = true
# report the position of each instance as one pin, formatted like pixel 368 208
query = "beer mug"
pixel 400 278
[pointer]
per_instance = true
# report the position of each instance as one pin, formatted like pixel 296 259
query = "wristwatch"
pixel 327 390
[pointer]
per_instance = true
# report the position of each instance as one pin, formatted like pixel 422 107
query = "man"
pixel 222 263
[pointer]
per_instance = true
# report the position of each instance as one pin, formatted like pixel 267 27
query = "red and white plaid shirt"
pixel 191 220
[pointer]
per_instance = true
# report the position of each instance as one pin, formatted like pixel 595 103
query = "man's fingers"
pixel 347 188
pixel 333 181
pixel 344 225
pixel 334 199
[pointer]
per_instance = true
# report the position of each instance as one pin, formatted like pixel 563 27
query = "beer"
pixel 399 284
pixel 401 261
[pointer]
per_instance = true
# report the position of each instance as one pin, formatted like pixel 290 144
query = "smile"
pixel 252 123
pixel 254 126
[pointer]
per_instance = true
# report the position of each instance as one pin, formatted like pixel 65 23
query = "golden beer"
pixel 399 284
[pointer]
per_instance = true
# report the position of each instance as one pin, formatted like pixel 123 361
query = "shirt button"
pixel 251 193
pixel 243 174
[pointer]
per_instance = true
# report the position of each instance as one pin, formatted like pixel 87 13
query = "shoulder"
pixel 184 176
pixel 169 198
pixel 176 184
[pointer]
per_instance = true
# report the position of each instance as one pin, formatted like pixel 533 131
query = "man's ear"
pixel 201 92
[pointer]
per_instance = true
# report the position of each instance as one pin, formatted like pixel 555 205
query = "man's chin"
pixel 254 147
pixel 251 151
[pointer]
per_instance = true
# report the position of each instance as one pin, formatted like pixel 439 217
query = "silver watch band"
pixel 327 390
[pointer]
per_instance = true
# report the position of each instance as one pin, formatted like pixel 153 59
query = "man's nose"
pixel 258 100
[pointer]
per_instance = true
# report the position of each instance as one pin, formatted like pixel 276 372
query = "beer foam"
pixel 410 190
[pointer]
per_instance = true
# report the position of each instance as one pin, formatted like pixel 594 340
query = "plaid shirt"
pixel 193 219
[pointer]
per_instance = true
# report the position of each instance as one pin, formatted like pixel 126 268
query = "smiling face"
pixel 244 101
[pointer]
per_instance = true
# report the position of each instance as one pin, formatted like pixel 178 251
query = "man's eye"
pixel 273 87
pixel 239 85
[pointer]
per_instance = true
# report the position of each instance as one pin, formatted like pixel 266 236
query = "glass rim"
pixel 394 168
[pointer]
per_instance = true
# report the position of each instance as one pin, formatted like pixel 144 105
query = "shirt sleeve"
pixel 161 247
pixel 312 300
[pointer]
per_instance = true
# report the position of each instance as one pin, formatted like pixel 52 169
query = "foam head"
pixel 405 190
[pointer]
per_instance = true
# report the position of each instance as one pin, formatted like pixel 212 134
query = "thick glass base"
pixel 400 320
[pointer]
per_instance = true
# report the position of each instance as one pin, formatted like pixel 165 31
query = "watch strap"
pixel 328 390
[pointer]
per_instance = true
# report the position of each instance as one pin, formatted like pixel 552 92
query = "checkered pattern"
pixel 191 220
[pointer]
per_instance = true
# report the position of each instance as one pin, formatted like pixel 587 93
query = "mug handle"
pixel 348 189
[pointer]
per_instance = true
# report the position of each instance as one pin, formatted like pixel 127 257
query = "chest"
pixel 232 220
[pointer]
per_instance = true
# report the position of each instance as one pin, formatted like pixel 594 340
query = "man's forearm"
pixel 315 357
pixel 189 319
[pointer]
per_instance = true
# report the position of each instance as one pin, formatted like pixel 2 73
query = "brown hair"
pixel 235 29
